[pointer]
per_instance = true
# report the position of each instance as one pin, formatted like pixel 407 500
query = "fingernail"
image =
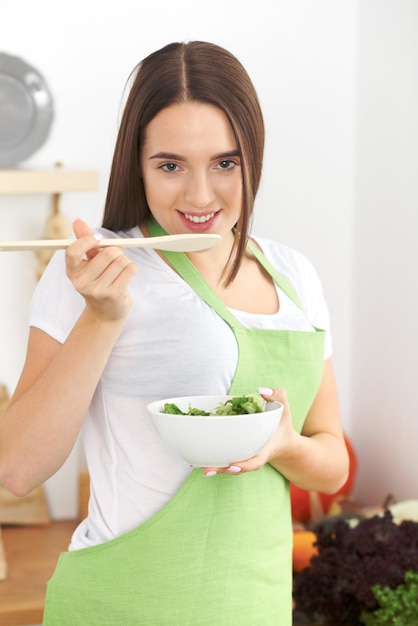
pixel 265 391
pixel 211 473
pixel 234 468
pixel 98 236
pixel 75 219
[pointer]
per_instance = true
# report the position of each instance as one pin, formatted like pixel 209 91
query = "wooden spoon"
pixel 187 242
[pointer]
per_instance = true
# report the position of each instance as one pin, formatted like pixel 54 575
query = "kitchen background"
pixel 338 82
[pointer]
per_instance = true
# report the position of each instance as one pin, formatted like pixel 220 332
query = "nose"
pixel 199 191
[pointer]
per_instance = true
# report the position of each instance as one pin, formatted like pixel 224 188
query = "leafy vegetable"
pixel 398 607
pixel 237 405
pixel 337 588
pixel 173 409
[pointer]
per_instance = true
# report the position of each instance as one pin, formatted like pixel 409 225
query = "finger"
pixel 234 468
pixel 113 269
pixel 241 467
pixel 251 465
pixel 110 268
pixel 212 471
pixel 88 239
pixel 278 395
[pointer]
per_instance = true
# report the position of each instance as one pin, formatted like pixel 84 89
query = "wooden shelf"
pixel 54 180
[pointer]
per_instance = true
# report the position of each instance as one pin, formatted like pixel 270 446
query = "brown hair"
pixel 194 72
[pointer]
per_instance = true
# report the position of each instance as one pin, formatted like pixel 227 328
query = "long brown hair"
pixel 195 71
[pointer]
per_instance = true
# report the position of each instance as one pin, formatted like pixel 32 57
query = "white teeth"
pixel 199 220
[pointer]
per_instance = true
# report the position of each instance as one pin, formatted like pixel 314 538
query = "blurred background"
pixel 338 82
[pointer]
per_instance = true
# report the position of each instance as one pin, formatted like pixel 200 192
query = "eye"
pixel 226 164
pixel 169 167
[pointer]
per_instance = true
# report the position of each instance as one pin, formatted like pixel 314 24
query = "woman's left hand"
pixel 317 458
pixel 282 441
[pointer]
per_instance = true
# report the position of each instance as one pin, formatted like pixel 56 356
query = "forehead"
pixel 190 124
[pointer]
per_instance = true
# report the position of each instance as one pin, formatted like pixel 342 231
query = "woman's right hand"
pixel 101 276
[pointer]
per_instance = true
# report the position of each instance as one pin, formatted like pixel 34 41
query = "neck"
pixel 211 264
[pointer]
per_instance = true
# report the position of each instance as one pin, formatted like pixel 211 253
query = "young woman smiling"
pixel 164 543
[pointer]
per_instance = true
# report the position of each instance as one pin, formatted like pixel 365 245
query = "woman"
pixel 165 543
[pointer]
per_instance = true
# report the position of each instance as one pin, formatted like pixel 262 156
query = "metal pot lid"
pixel 26 110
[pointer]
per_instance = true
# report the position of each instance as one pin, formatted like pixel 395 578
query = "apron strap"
pixel 276 276
pixel 185 268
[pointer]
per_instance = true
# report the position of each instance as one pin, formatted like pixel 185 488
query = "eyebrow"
pixel 178 157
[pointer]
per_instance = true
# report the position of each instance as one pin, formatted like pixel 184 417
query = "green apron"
pixel 220 552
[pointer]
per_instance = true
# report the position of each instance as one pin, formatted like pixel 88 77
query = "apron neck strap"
pixel 276 276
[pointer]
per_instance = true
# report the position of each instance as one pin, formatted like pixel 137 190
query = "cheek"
pixel 232 191
pixel 155 191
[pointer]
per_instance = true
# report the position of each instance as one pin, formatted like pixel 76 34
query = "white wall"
pixel 385 296
pixel 302 57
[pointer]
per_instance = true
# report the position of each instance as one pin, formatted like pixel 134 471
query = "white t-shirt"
pixel 172 344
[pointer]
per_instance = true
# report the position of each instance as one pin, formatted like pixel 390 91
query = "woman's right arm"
pixel 41 423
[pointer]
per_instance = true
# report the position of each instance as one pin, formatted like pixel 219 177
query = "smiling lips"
pixel 199 219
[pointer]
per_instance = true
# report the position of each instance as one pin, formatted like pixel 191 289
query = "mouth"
pixel 199 219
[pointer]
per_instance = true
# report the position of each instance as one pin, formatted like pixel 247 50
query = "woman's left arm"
pixel 317 459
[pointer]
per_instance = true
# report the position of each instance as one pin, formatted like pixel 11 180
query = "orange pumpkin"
pixel 303 549
pixel 309 505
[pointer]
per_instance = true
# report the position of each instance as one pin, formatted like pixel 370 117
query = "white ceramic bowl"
pixel 214 440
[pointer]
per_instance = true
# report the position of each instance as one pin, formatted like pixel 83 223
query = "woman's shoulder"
pixel 302 275
pixel 287 260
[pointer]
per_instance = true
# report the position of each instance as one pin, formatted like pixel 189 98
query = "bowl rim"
pixel 174 400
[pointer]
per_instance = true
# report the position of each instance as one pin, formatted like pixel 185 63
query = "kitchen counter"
pixel 32 553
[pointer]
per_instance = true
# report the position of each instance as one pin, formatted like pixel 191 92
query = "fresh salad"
pixel 237 405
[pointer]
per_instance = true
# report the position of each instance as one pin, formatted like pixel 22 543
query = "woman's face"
pixel 191 170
